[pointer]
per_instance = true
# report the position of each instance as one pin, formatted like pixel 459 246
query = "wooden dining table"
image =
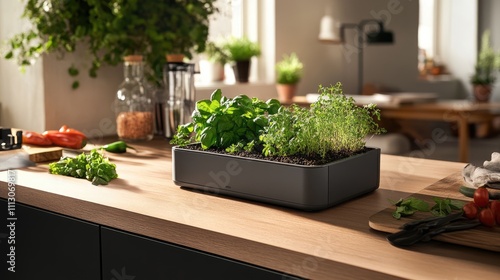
pixel 461 112
pixel 144 204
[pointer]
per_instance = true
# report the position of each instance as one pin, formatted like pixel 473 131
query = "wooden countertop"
pixel 335 243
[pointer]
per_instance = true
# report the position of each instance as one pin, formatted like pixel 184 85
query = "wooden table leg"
pixel 463 139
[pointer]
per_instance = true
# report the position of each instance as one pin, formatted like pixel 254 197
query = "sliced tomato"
pixel 35 138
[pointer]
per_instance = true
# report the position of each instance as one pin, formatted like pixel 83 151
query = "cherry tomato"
pixel 35 138
pixel 486 217
pixel 495 208
pixel 470 210
pixel 481 197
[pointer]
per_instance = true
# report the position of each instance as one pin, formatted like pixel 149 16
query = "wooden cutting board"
pixel 479 237
pixel 43 154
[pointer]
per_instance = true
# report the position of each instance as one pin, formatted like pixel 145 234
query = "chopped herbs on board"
pixel 92 166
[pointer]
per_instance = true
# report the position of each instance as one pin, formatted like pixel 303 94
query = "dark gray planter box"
pixel 297 186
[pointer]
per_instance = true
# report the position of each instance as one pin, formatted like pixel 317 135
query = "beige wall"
pixel 21 94
pixel 390 65
pixel 42 98
pixel 89 107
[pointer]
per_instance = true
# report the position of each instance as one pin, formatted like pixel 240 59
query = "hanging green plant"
pixel 110 30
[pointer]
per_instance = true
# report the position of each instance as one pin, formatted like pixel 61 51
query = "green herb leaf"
pixel 216 95
pixel 73 71
pixel 408 206
pixel 445 206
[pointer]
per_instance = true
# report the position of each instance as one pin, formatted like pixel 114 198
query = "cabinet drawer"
pixel 128 255
pixel 48 245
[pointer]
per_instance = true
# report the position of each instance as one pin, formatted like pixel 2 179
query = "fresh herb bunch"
pixel 226 123
pixel 240 49
pixel 410 205
pixel 289 69
pixel 92 166
pixel 445 206
pixel 333 124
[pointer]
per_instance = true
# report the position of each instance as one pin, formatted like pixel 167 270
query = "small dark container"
pixel 241 71
pixel 302 187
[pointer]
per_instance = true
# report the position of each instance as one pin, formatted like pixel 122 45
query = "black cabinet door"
pixel 47 245
pixel 129 256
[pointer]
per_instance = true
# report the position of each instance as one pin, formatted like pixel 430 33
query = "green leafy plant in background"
pixel 110 30
pixel 58 26
pixel 488 62
pixel 240 49
pixel 289 69
pixel 215 53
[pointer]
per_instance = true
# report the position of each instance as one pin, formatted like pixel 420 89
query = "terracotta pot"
pixel 286 92
pixel 482 93
pixel 174 57
pixel 241 71
pixel 133 58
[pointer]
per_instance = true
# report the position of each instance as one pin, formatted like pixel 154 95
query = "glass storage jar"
pixel 134 105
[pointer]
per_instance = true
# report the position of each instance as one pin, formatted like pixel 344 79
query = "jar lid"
pixel 133 58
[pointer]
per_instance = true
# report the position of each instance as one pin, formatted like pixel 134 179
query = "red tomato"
pixel 486 217
pixel 481 197
pixel 495 208
pixel 470 210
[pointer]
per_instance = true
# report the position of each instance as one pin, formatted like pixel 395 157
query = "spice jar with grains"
pixel 134 105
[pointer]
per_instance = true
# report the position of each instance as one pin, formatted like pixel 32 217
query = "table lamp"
pixel 328 34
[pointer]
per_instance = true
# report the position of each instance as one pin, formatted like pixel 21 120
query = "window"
pixel 253 19
pixel 228 22
pixel 427 35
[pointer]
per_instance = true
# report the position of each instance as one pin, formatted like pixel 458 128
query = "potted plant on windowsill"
pixel 239 52
pixel 289 72
pixel 305 158
pixel 484 77
pixel 212 63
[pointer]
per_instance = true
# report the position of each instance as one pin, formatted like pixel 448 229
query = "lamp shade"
pixel 327 32
pixel 380 37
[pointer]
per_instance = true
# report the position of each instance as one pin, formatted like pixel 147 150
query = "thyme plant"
pixel 333 124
